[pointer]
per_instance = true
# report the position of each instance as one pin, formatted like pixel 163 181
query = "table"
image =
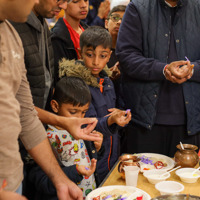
pixel 114 178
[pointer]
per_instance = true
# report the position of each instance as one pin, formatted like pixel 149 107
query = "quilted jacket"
pixel 143 56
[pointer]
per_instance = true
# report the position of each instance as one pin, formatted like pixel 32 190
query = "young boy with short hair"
pixel 78 158
pixel 95 43
pixel 66 32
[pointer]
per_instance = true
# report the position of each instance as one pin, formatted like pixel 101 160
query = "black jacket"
pixel 62 43
pixel 31 33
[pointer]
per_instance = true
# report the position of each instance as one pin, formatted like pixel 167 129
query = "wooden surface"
pixel 114 178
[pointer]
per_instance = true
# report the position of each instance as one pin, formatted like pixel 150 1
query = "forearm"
pixel 43 155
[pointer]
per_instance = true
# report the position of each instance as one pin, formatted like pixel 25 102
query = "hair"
pixel 119 8
pixel 72 90
pixel 95 36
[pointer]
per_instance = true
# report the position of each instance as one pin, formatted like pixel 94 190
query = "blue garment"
pixel 142 49
pixel 99 106
pixel 92 18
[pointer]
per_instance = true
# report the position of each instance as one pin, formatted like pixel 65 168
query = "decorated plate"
pixel 151 161
pixel 118 192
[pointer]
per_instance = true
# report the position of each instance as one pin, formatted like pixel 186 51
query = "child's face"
pixel 95 60
pixel 77 9
pixel 114 22
pixel 68 110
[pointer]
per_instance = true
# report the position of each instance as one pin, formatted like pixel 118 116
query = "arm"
pixel 7 195
pixel 34 139
pixel 42 182
pixel 44 156
pixel 130 50
pixel 71 124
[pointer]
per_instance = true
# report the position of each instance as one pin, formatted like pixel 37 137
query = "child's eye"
pixel 89 55
pixel 75 1
pixel 103 56
pixel 72 112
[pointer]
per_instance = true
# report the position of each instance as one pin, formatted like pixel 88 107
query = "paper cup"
pixel 131 175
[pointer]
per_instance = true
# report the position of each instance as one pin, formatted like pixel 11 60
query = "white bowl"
pixel 169 187
pixel 154 176
pixel 185 175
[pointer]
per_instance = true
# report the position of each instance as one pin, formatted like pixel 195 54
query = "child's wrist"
pixel 78 170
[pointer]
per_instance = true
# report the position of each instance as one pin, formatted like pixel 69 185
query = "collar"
pixel 170 5
pixel 34 21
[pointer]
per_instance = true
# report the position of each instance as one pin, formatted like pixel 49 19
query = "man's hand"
pixel 73 125
pixel 69 191
pixel 104 9
pixel 179 71
pixel 7 195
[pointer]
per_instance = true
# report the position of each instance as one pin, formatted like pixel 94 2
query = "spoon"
pixel 170 171
pixel 181 145
pixel 195 170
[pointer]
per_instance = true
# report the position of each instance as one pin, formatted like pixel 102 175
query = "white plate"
pixel 170 162
pixel 129 189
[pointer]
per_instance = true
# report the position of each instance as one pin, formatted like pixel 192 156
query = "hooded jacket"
pixel 99 106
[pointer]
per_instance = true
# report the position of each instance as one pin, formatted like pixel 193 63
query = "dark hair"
pixel 72 90
pixel 118 8
pixel 95 36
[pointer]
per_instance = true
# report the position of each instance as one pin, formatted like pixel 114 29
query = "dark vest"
pixel 30 33
pixel 155 21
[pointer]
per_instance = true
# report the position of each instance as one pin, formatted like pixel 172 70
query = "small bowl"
pixel 169 187
pixel 154 175
pixel 184 175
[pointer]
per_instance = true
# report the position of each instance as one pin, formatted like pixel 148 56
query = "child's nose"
pixel 95 60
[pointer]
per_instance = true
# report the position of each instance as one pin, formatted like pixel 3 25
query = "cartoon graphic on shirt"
pixel 75 148
pixel 87 192
pixel 77 161
pixel 66 143
pixel 72 152
pixel 64 136
pixel 82 155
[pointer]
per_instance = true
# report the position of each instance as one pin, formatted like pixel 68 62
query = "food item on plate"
pixel 117 194
pixel 148 163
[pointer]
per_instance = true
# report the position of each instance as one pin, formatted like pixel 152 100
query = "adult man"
pixel 18 117
pixel 165 106
pixel 40 63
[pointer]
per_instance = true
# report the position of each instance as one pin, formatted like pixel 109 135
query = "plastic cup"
pixel 131 175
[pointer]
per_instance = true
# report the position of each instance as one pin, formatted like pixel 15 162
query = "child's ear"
pixel 54 106
pixel 109 55
pixel 106 24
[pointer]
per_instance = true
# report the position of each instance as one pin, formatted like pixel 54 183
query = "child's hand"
pixel 115 71
pixel 98 144
pixel 120 117
pixel 87 170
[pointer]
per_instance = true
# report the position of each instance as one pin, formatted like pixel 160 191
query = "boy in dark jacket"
pixel 77 157
pixel 66 33
pixel 95 43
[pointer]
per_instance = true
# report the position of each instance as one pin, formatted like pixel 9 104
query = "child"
pixel 66 33
pixel 71 99
pixel 112 23
pixel 95 43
